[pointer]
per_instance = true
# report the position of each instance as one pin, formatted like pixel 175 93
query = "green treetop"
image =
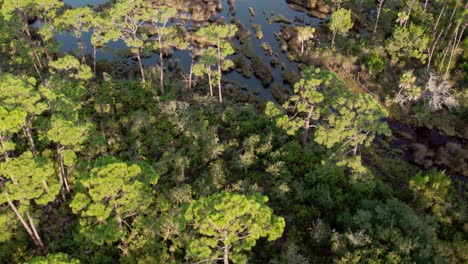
pixel 19 98
pixel 111 196
pixel 352 121
pixel 227 224
pixel 218 36
pixel 57 258
pixel 408 42
pixel 30 181
pixel 340 22
pixel 433 190
pixel 305 106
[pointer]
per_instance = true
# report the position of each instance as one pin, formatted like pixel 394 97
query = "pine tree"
pixel 218 36
pixel 20 98
pixel 226 224
pixel 111 195
pixel 126 18
pixel 167 37
pixel 30 181
pixel 340 22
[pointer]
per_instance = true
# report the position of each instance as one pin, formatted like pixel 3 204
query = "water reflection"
pixel 264 10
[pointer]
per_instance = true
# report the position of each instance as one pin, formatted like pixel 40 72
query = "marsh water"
pixel 264 10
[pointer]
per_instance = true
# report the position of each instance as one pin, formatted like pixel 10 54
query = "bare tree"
pixel 439 93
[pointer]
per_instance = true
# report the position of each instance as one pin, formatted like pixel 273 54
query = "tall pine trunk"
pixel 305 135
pixel 209 81
pixel 5 152
pixel 140 65
pixel 62 172
pixel 27 132
pixel 225 249
pixel 30 228
pixel 161 65
pixel 379 10
pixel 190 74
pixel 219 73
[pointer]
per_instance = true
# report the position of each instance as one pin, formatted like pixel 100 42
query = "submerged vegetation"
pixel 359 156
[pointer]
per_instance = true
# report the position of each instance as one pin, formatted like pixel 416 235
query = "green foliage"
pixel 408 42
pixel 68 131
pixel 112 194
pixel 232 221
pixel 340 22
pixel 30 180
pixel 389 232
pixel 306 100
pixel 433 191
pixel 57 258
pixel 375 63
pixel 353 121
pixel 72 68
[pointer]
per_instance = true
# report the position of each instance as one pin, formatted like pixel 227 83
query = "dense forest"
pixel 223 131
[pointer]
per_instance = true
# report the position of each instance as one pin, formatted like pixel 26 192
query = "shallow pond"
pixel 263 9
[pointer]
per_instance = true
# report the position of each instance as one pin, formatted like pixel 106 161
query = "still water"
pixel 264 9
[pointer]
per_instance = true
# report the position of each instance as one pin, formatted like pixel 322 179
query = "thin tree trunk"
pixel 305 135
pixel 190 74
pixel 425 5
pixel 226 250
pixel 94 59
pixel 333 38
pixel 161 74
pixel 26 226
pixel 355 145
pixel 33 227
pixel 161 64
pixel 61 172
pixel 82 49
pixel 38 60
pixel 209 80
pixel 445 55
pixel 379 9
pixel 454 49
pixel 140 64
pixel 28 134
pixel 302 47
pixel 219 72
pixel 410 8
pixel 5 153
pixel 37 70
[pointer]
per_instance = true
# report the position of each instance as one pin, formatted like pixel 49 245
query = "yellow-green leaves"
pixel 408 42
pixel 57 258
pixel 340 22
pixel 29 179
pixel 71 67
pixel 231 221
pixel 113 193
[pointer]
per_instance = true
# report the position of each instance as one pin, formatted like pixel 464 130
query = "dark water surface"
pixel 263 9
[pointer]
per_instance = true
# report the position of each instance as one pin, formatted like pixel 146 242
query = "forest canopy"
pixel 216 131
